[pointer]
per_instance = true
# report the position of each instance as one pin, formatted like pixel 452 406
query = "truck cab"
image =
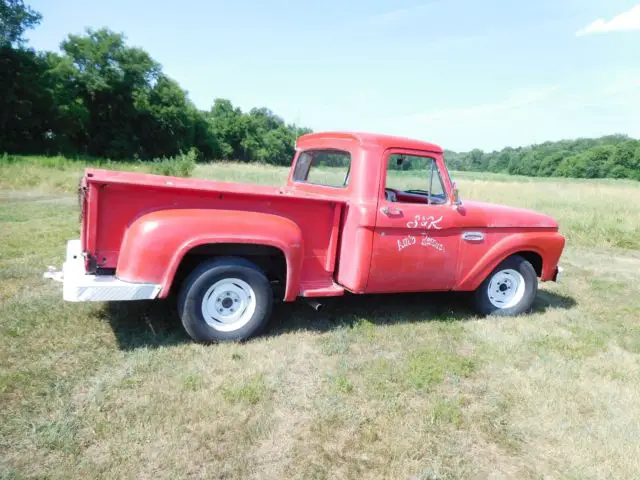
pixel 425 235
pixel 359 213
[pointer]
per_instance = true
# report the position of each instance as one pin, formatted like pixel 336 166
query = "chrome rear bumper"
pixel 78 286
pixel 558 274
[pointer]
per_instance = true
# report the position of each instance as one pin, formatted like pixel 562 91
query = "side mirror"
pixel 456 196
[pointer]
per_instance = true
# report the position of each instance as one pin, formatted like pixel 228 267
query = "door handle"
pixel 473 236
pixel 391 211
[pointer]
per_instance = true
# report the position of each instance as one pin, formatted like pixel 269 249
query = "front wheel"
pixel 225 299
pixel 509 290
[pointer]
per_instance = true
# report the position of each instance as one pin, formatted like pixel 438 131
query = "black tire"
pixel 483 302
pixel 196 285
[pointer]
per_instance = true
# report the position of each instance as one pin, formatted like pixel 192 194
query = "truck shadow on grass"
pixel 391 309
pixel 150 324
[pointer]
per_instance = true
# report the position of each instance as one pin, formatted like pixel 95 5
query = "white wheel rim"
pixel 506 288
pixel 228 304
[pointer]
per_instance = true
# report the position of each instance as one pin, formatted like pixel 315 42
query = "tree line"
pixel 100 97
pixel 611 156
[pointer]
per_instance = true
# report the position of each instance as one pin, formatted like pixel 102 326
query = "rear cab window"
pixel 325 167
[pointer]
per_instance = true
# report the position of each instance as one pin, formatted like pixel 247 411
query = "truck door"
pixel 415 242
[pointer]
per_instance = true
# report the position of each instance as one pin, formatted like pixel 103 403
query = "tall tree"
pixel 228 128
pixel 15 19
pixel 167 120
pixel 111 76
pixel 25 104
pixel 21 98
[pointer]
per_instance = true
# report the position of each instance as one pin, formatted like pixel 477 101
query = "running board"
pixel 317 289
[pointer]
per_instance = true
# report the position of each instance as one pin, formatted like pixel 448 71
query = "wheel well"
pixel 271 261
pixel 534 259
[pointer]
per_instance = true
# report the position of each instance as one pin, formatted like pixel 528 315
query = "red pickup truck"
pixel 344 222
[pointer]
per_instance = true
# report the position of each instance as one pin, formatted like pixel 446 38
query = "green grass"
pixel 398 386
pixel 250 391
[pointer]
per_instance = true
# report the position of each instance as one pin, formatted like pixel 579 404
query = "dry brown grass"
pixel 400 386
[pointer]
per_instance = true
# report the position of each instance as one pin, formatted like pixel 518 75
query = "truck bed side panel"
pixel 117 205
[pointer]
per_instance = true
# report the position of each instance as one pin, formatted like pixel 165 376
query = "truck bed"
pixel 112 200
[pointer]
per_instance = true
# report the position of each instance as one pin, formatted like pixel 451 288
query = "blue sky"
pixel 460 73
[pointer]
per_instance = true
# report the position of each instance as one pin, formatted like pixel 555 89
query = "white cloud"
pixel 629 20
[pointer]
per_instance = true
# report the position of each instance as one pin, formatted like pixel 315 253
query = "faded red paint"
pixel 333 239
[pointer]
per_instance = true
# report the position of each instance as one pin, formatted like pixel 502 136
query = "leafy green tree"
pixel 594 160
pixel 625 154
pixel 453 160
pixel 635 171
pixel 166 119
pixel 227 128
pixel 550 163
pixel 69 115
pixel 112 77
pixel 570 167
pixel 24 104
pixel 22 100
pixel 499 162
pixel 15 19
pixel 476 159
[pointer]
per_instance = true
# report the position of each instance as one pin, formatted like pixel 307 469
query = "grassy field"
pixel 400 386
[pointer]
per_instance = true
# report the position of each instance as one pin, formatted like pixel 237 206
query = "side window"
pixel 436 187
pixel 323 167
pixel 415 175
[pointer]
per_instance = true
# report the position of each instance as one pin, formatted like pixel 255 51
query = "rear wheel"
pixel 509 290
pixel 225 299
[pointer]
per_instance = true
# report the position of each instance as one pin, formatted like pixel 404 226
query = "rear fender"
pixel 548 245
pixel 155 243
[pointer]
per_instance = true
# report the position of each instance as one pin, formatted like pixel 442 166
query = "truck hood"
pixel 489 215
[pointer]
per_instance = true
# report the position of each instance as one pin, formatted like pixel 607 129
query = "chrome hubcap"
pixel 506 288
pixel 228 304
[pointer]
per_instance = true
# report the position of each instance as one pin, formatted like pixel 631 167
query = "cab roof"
pixel 364 139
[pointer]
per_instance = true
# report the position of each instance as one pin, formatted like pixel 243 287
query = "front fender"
pixel 548 245
pixel 155 243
